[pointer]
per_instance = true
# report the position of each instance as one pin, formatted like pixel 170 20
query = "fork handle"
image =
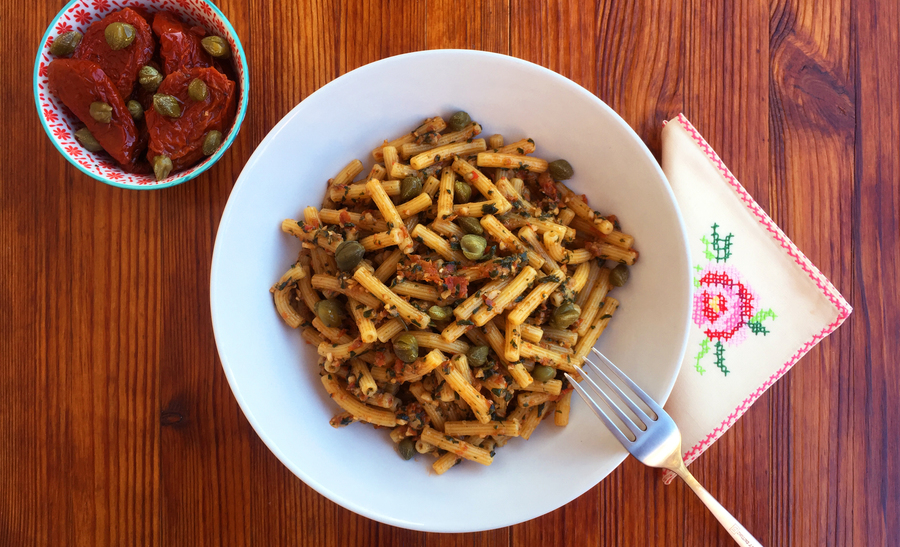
pixel 738 532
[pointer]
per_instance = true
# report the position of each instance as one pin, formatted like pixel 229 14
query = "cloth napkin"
pixel 758 304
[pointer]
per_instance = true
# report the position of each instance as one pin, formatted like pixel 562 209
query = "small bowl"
pixel 61 125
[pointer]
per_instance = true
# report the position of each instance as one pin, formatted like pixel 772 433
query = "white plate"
pixel 274 374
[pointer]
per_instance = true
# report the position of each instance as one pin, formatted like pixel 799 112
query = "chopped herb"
pixel 605 316
pixel 489 208
pixel 464 323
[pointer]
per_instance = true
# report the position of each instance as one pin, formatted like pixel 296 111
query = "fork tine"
pixel 629 423
pixel 611 425
pixel 630 403
pixel 634 387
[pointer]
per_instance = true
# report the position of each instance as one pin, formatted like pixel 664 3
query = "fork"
pixel 657 443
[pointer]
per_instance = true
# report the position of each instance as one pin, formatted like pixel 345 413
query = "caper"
pixel 410 187
pixel 560 170
pixel 216 46
pixel 407 448
pixel 462 192
pixel 543 373
pixel 470 225
pixel 101 112
pixel 66 43
pixel 149 78
pixel 565 315
pixel 458 121
pixel 135 109
pixel 348 255
pixel 478 355
pixel 162 166
pixel 473 246
pixel 331 312
pixel 166 105
pixel 440 313
pixel 406 348
pixel 119 35
pixel 619 275
pixel 87 140
pixel 212 142
pixel 197 90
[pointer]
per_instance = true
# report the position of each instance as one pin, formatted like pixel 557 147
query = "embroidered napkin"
pixel 758 306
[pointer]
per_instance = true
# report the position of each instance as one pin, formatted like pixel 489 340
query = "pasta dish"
pixel 448 289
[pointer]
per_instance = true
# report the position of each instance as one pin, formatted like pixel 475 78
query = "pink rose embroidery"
pixel 724 304
pixel 726 308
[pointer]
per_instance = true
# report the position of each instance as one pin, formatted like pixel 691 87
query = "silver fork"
pixel 657 444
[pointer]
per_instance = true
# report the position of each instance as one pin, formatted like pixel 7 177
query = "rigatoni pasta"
pixel 460 278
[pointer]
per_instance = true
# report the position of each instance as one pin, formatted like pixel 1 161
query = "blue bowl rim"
pixel 238 120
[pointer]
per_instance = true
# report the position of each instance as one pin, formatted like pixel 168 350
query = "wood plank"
pixel 542 32
pixel 31 432
pixel 204 467
pixel 812 135
pixel 640 63
pixel 472 24
pixel 868 457
pixel 81 298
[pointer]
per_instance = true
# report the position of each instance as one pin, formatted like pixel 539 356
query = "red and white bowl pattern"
pixel 61 125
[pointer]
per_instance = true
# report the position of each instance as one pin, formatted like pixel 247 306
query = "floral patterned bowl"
pixel 61 125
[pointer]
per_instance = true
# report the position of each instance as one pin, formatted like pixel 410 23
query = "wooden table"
pixel 117 426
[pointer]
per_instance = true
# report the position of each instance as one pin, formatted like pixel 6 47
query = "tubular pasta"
pixel 544 247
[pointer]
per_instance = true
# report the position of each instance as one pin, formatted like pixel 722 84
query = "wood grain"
pixel 117 426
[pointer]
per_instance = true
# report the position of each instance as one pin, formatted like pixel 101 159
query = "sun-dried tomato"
pixel 78 83
pixel 181 139
pixel 179 45
pixel 121 66
pixel 548 187
pixel 457 285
